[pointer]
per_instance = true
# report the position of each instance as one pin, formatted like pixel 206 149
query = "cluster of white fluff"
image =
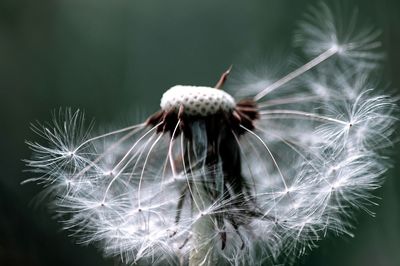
pixel 313 157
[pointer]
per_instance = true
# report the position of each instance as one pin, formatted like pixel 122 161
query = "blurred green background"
pixel 114 58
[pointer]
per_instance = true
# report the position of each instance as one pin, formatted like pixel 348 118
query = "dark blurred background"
pixel 114 59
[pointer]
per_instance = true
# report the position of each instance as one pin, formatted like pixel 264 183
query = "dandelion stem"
pixel 301 70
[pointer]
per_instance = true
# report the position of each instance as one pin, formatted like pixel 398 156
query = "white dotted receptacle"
pixel 202 101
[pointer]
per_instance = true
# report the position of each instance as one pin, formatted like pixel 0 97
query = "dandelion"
pixel 210 178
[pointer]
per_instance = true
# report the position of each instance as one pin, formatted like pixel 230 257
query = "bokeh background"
pixel 114 59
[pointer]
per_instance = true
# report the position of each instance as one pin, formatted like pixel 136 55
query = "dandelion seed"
pixel 212 179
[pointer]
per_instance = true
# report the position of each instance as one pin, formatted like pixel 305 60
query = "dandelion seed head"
pixel 202 101
pixel 209 178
